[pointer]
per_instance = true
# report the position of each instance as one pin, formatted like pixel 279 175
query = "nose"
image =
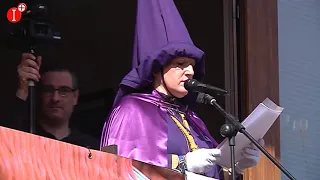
pixel 189 71
pixel 55 96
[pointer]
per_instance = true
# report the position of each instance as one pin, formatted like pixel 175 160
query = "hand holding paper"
pixel 257 125
pixel 251 157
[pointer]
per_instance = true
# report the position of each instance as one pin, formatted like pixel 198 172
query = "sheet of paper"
pixel 194 176
pixel 139 175
pixel 257 124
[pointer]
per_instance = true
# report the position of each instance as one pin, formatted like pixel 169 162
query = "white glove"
pixel 251 157
pixel 202 160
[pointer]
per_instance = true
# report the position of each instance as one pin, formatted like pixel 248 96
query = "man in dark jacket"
pixel 57 94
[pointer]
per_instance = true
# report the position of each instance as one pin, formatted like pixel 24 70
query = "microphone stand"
pixel 32 97
pixel 230 130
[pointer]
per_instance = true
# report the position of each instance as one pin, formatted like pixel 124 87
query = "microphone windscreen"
pixel 190 84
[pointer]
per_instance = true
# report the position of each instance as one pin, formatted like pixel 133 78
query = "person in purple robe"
pixel 153 119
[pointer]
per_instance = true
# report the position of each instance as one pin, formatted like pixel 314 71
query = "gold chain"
pixel 191 143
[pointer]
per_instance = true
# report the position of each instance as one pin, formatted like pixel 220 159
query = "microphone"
pixel 194 85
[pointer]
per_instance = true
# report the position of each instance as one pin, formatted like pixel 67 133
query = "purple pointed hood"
pixel 160 36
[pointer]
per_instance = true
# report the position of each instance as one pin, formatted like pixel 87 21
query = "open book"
pixel 257 124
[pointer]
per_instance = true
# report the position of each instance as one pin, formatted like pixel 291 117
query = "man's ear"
pixel 76 97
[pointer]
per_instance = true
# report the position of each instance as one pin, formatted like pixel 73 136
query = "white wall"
pixel 299 61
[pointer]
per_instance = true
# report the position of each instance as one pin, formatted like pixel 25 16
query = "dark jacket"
pixel 21 122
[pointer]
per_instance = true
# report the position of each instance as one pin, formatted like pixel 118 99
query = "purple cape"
pixel 143 130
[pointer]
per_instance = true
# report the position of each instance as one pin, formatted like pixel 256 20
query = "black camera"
pixel 34 26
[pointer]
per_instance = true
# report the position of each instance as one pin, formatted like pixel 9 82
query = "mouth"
pixel 183 81
pixel 55 107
